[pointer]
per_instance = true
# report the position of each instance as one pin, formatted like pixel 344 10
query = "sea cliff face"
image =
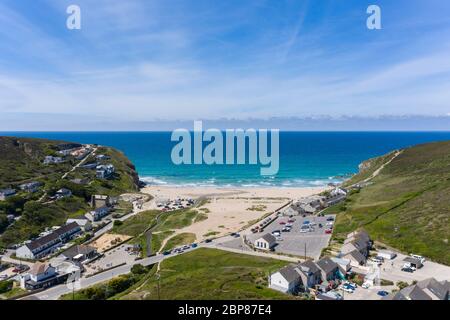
pixel 406 204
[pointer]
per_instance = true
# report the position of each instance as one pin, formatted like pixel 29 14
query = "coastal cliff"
pixel 406 204
pixel 49 166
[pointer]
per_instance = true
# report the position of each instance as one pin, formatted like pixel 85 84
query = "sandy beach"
pixel 229 209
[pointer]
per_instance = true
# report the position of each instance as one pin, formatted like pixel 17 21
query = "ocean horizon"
pixel 307 159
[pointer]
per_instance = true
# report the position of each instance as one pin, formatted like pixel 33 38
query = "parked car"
pixel 408 269
pixel 166 253
pixel 330 219
pixel 282 222
pixel 194 245
pixel 208 240
pixel 366 285
pixel 348 289
pixel 328 231
pixel 291 220
pixel 306 222
pixel 351 284
pixel 320 225
pixel 382 293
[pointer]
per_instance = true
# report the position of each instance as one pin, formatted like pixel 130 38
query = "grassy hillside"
pixel 211 274
pixel 21 161
pixel 407 205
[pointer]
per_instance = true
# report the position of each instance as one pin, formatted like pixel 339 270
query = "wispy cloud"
pixel 140 61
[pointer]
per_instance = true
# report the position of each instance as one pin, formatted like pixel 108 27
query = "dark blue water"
pixel 306 158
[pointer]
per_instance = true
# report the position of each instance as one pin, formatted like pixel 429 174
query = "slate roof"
pixel 437 288
pixel 327 265
pixel 78 249
pixel 357 256
pixel 309 266
pixel 269 238
pixel 289 273
pixel 38 268
pixel 52 236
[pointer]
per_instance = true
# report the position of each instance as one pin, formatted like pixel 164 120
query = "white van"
pixel 420 258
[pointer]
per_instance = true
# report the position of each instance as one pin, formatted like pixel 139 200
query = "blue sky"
pixel 143 61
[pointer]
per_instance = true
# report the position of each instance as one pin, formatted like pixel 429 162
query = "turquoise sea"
pixel 306 158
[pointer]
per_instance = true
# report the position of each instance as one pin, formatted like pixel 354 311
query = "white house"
pixel 39 273
pixel 6 193
pixel 47 244
pixel 286 280
pixel 31 186
pixel 386 254
pixel 84 223
pixel 98 213
pixel 63 193
pixel 266 242
pixel 104 171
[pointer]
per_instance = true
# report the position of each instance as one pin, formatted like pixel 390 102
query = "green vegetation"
pixel 137 224
pixel 406 205
pixel 211 233
pixel 180 239
pixel 6 286
pixel 384 282
pixel 211 274
pixel 157 239
pixel 110 288
pixel 259 207
pixel 21 161
pixel 402 284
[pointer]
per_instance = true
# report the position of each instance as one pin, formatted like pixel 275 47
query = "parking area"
pixel 114 257
pixel 366 294
pixel 391 270
pixel 295 242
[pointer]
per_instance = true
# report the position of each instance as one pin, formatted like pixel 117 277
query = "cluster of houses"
pixel 53 160
pixel 322 275
pixel 356 248
pixel 44 274
pixel 78 153
pixel 313 204
pixel 30 187
pixel 53 241
pixel 49 243
pixel 428 289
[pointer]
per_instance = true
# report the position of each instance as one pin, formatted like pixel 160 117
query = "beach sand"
pixel 229 209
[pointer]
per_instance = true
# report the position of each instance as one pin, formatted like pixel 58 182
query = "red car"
pixel 282 222
pixel 328 231
pixel 291 220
